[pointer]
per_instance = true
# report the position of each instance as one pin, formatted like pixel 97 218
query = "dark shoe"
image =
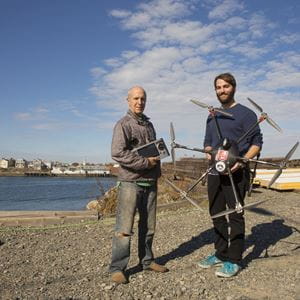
pixel 119 277
pixel 156 268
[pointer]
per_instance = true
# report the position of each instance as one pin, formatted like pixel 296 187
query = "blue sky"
pixel 66 65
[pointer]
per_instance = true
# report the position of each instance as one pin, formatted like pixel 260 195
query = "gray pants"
pixel 132 197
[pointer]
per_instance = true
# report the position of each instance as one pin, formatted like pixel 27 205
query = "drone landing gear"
pixel 238 205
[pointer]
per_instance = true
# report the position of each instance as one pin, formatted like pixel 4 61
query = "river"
pixel 51 193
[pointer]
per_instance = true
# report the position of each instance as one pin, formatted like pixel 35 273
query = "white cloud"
pixel 178 56
pixel 289 38
pixel 249 49
pixel 119 13
pixel 150 13
pixel 166 8
pixel 283 72
pixel 225 9
pixel 97 72
pixel 258 25
pixel 129 54
pixel 36 113
pixel 23 116
pixel 187 33
pixel 113 62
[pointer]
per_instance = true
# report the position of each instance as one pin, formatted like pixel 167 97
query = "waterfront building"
pixel 7 163
pixel 39 165
pixel 21 163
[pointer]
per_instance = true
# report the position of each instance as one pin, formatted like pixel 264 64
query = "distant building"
pixel 21 163
pixel 58 170
pixel 39 165
pixel 74 171
pixel 48 164
pixel 4 163
pixel 7 163
pixel 99 170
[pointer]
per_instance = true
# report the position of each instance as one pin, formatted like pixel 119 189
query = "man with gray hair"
pixel 137 188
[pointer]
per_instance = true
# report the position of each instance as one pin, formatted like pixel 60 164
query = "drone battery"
pixel 154 148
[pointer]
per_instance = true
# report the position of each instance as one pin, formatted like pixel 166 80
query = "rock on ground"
pixel 71 262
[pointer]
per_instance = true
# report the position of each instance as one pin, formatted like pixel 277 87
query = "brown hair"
pixel 226 77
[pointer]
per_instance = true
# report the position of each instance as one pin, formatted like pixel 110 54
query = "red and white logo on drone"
pixel 222 155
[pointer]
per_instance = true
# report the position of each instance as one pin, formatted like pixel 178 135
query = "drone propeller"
pixel 176 145
pixel 264 116
pixel 211 108
pixel 283 164
pixel 173 144
pixel 172 133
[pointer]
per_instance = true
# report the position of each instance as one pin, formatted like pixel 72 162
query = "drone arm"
pixel 249 130
pixel 188 148
pixel 183 194
pixel 244 159
pixel 200 179
pixel 255 166
pixel 230 211
pixel 217 126
pixel 253 151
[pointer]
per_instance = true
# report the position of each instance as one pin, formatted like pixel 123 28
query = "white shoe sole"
pixel 209 266
pixel 220 274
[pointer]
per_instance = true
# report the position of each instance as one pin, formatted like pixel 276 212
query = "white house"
pixel 21 163
pixel 6 163
pixel 39 165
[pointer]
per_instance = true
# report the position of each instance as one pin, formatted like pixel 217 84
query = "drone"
pixel 226 155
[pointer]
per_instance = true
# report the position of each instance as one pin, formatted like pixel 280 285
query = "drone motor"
pixel 225 155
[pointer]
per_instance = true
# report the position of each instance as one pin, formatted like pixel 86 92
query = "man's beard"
pixel 226 100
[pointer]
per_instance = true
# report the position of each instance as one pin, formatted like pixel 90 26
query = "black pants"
pixel 229 244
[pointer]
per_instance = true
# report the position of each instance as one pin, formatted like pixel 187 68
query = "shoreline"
pixel 42 218
pixel 11 218
pixel 38 174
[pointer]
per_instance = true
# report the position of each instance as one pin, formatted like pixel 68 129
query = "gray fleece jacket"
pixel 131 132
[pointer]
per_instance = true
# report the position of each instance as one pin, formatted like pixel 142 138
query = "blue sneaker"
pixel 228 270
pixel 209 261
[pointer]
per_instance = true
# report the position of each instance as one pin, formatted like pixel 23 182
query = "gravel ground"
pixel 71 262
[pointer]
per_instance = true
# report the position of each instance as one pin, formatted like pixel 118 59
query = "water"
pixel 50 193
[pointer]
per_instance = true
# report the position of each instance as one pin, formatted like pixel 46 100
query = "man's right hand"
pixel 208 155
pixel 153 161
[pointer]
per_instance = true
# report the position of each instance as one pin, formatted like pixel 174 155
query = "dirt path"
pixel 71 261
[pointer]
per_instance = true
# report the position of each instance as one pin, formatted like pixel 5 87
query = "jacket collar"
pixel 141 119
